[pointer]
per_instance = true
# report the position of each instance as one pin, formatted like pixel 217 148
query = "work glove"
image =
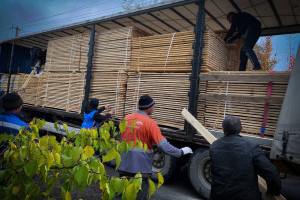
pixel 186 150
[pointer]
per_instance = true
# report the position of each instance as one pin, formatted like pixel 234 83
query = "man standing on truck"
pixel 92 116
pixel 147 131
pixel 250 27
pixel 236 162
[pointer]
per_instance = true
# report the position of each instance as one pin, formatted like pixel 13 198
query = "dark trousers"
pixel 251 37
pixel 142 194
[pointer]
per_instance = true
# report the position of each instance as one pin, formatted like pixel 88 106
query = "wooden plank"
pixel 210 138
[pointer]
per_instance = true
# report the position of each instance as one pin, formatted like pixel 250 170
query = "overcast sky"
pixel 37 15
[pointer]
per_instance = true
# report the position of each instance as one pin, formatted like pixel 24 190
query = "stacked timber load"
pixel 65 68
pixel 32 93
pixel 215 54
pixel 169 91
pixel 68 53
pixel 111 58
pixel 110 88
pixel 14 82
pixel 254 97
pixel 63 91
pixel 112 49
pixel 163 53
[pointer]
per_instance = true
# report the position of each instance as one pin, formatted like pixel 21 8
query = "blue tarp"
pixel 21 59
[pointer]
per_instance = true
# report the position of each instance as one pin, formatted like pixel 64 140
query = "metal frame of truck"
pixel 180 137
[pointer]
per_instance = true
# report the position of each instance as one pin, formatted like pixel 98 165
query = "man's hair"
pixel 231 14
pixel 232 125
pixel 11 102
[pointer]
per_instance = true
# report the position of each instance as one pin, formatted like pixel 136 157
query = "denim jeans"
pixel 251 36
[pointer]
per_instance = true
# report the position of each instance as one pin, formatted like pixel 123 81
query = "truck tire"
pixel 163 163
pixel 199 172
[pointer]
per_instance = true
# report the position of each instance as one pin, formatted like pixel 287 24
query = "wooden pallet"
pixel 14 82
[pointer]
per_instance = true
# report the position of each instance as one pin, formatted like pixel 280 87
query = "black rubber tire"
pixel 196 172
pixel 168 169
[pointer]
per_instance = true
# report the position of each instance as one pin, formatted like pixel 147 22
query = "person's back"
pixel 236 162
pixel 11 120
pixel 244 20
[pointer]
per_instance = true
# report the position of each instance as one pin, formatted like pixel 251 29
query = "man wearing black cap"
pixel 236 162
pixel 147 131
pixel 250 27
pixel 92 116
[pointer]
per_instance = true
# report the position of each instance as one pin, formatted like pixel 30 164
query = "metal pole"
pixel 89 70
pixel 196 66
pixel 11 60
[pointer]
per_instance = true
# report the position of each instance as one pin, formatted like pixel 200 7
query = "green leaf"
pixel 110 155
pixel 55 126
pixel 39 123
pixel 44 143
pixel 66 127
pixel 31 168
pixel 67 162
pixel 145 147
pixel 131 192
pixel 103 182
pixel 118 185
pixel 123 146
pixel 68 196
pixel 88 151
pixel 110 191
pixel 2 175
pixel 52 140
pixel 81 175
pixel 137 180
pixel 138 144
pixel 118 160
pixel 131 145
pixel 160 180
pixel 106 135
pixel 151 187
pixel 94 164
pixel 35 129
pixel 50 160
pixel 15 190
pixel 78 140
pixel 132 125
pixel 102 169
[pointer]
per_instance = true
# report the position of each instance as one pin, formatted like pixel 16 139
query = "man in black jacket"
pixel 236 162
pixel 250 27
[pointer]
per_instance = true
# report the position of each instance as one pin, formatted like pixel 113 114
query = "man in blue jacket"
pixel 250 27
pixel 11 120
pixel 92 117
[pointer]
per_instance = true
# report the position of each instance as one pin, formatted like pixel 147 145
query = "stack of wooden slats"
pixel 169 91
pixel 65 68
pixel 32 93
pixel 215 54
pixel 112 49
pixel 63 91
pixel 163 53
pixel 14 82
pixel 68 53
pixel 242 94
pixel 110 88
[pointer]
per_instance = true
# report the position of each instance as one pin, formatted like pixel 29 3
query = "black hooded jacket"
pixel 236 162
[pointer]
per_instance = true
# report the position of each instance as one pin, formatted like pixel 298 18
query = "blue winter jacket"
pixel 11 123
pixel 89 121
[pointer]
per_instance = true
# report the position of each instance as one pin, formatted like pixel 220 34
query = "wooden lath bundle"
pixel 169 91
pixel 68 54
pixel 110 88
pixel 14 82
pixel 63 91
pixel 242 94
pixel 112 49
pixel 33 89
pixel 163 53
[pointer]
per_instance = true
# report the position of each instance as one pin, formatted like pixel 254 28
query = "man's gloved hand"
pixel 186 150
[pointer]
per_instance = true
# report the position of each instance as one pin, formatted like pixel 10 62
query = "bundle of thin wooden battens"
pixel 32 93
pixel 242 94
pixel 14 82
pixel 112 49
pixel 63 91
pixel 68 54
pixel 169 91
pixel 110 88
